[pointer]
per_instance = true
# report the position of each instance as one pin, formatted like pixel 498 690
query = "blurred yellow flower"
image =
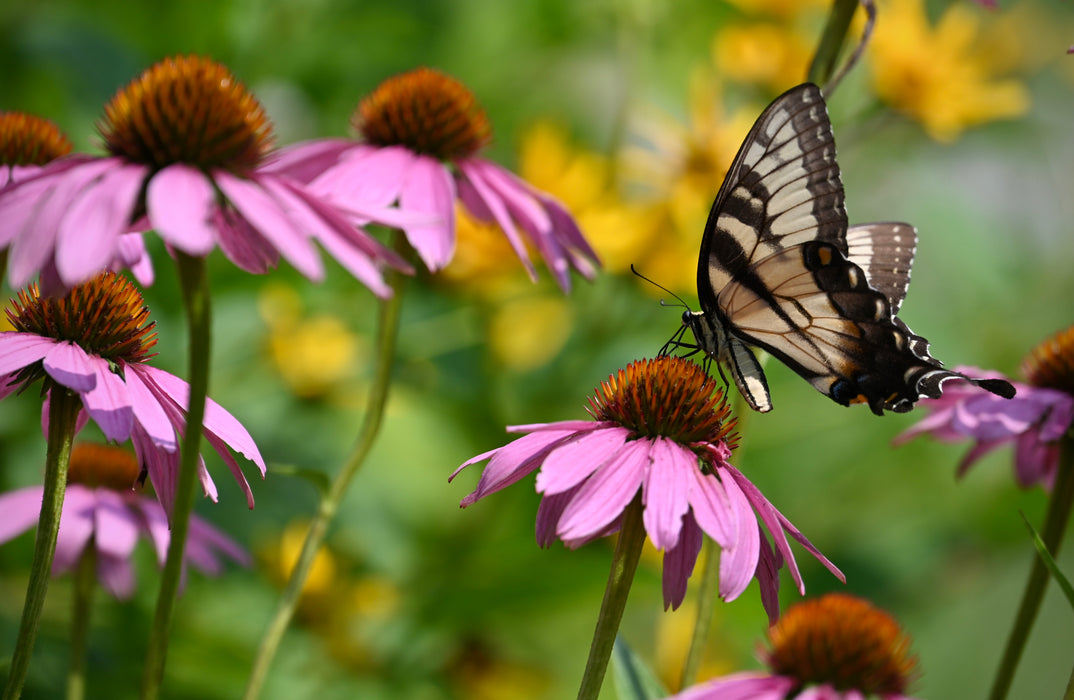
pixel 674 633
pixel 939 75
pixel 320 589
pixel 525 346
pixel 480 673
pixel 773 56
pixel 778 8
pixel 312 355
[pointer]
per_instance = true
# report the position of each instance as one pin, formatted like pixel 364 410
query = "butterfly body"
pixel 779 269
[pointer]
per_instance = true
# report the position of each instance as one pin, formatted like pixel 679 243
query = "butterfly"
pixel 779 269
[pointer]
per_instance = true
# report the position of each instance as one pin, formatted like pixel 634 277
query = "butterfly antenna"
pixel 661 287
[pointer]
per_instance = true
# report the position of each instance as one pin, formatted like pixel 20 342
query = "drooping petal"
pixel 739 561
pixel 18 350
pixel 368 175
pixel 71 366
pixel 606 493
pixel 88 236
pixel 431 189
pixel 767 576
pixel 307 160
pixel 549 513
pixel 116 525
pixel 242 244
pixel 132 254
pixel 577 458
pixel 179 202
pixel 665 491
pixel 161 466
pixel 207 544
pixel 109 403
pixel 476 195
pixel 149 414
pixel 269 218
pixel 117 576
pixel 712 509
pixel 76 527
pixel 21 509
pixel 679 562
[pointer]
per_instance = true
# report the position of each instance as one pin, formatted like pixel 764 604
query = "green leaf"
pixel 634 680
pixel 1053 568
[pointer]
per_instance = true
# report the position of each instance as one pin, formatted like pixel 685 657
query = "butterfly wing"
pixel 779 270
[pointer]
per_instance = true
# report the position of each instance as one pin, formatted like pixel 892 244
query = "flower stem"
pixel 194 285
pixel 709 590
pixel 85 584
pixel 62 414
pixel 387 334
pixel 1055 524
pixel 624 563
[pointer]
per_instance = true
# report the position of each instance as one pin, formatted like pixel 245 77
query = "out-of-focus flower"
pixel 938 75
pixel 102 513
pixel 662 432
pixel 95 342
pixel 480 671
pixel 836 647
pixel 421 135
pixel 27 144
pixel 1035 420
pixel 679 172
pixel 185 142
pixel 773 56
pixel 315 355
pixel 778 8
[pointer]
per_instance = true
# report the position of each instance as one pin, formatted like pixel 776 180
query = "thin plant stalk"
pixel 628 548
pixel 85 585
pixel 194 285
pixel 1055 525
pixel 709 589
pixel 387 335
pixel 831 41
pixel 62 414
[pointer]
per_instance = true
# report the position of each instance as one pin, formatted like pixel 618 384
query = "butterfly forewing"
pixel 779 270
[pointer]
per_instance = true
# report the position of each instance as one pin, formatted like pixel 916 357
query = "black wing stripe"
pixel 885 251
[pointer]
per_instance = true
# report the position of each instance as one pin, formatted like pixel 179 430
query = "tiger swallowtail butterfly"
pixel 780 270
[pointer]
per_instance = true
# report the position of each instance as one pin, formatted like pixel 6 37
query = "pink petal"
pixel 512 462
pixel 69 365
pixel 431 189
pixel 738 562
pixel 161 466
pixel 767 576
pixel 307 160
pixel 117 576
pixel 574 460
pixel 109 403
pixel 549 513
pixel 746 685
pixel 148 413
pixel 18 350
pixel 370 176
pixel 242 244
pixel 132 254
pixel 679 562
pixel 270 219
pixel 179 201
pixel 771 518
pixel 117 526
pixel 666 491
pixel 481 192
pixel 76 527
pixel 606 493
pixel 21 509
pixel 206 543
pixel 712 509
pixel 89 233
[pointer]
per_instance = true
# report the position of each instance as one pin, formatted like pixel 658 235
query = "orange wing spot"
pixel 860 398
pixel 825 255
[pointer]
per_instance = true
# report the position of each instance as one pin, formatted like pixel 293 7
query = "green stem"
pixel 831 41
pixel 1055 523
pixel 628 548
pixel 85 585
pixel 62 414
pixel 1069 694
pixel 194 285
pixel 387 334
pixel 709 590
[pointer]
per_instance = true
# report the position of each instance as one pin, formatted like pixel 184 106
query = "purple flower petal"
pixel 18 350
pixel 89 233
pixel 69 365
pixel 76 527
pixel 116 525
pixel 512 462
pixel 549 513
pixel 270 219
pixel 242 244
pixel 679 562
pixel 574 460
pixel 430 188
pixel 117 576
pixel 21 509
pixel 132 254
pixel 148 413
pixel 179 201
pixel 305 161
pixel 738 562
pixel 602 497
pixel 712 509
pixel 109 403
pixel 665 491
pixel 207 543
pixel 370 175
pixel 480 191
pixel 747 685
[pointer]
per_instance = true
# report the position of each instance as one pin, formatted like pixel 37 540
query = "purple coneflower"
pixel 663 430
pixel 103 515
pixel 185 144
pixel 1034 420
pixel 421 133
pixel 95 342
pixel 27 144
pixel 836 647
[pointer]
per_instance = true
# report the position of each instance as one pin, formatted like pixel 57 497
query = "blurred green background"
pixel 417 599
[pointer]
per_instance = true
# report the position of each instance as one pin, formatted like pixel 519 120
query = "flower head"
pixel 1035 420
pixel 102 514
pixel 95 342
pixel 27 142
pixel 663 428
pixel 836 647
pixel 422 132
pixel 185 144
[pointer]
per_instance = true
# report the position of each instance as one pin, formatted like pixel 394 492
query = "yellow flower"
pixel 939 75
pixel 312 355
pixel 771 55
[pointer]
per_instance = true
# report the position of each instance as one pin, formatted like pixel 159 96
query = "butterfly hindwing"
pixel 780 270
